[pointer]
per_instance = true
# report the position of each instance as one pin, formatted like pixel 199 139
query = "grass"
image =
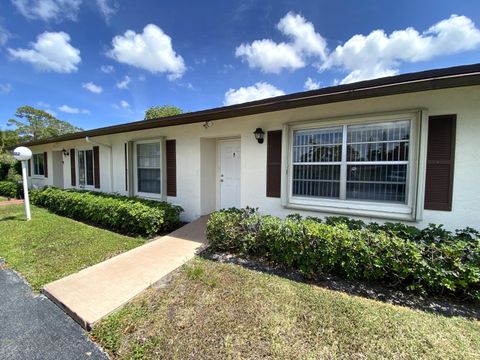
pixel 50 247
pixel 223 311
pixel 2 198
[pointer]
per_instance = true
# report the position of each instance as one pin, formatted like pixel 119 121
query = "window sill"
pixel 354 208
pixel 38 177
pixel 148 196
pixel 86 187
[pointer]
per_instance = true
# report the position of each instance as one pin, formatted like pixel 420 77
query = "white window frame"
pixel 161 196
pixel 397 211
pixel 34 168
pixel 77 160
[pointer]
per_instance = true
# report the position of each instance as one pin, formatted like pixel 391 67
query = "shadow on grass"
pixel 438 305
pixel 13 217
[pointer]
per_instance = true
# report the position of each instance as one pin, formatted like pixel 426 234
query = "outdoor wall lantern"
pixel 259 133
pixel 65 152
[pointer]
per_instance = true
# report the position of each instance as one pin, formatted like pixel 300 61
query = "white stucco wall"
pixel 194 146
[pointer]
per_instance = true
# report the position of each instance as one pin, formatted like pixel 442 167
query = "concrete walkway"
pixel 95 292
pixel 11 202
pixel 32 327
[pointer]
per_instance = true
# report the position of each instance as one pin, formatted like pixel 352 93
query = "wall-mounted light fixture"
pixel 65 152
pixel 207 124
pixel 259 133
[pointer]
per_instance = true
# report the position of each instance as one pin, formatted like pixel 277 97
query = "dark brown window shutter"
pixel 440 162
pixel 274 163
pixel 45 164
pixel 125 149
pixel 73 172
pixel 29 163
pixel 171 166
pixel 96 167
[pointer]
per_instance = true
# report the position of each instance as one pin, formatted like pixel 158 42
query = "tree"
pixel 34 124
pixel 162 111
pixel 8 138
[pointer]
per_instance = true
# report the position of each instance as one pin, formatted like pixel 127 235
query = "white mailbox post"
pixel 24 154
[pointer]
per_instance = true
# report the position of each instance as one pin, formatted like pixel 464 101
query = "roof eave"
pixel 468 75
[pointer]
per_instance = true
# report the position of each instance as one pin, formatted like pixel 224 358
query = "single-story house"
pixel 400 148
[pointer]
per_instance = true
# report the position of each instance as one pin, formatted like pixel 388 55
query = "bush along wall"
pixel 10 189
pixel 127 215
pixel 431 260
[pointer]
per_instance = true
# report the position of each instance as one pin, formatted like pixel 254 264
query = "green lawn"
pixel 2 198
pixel 223 311
pixel 50 247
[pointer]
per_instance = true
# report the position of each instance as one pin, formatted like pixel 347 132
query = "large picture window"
pixel 352 163
pixel 148 168
pixel 38 164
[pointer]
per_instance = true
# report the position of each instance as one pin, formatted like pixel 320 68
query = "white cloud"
pixel 226 68
pixel 269 56
pixel 378 54
pixel 5 88
pixel 4 35
pixel 48 9
pixel 51 52
pixel 272 57
pixel 151 50
pixel 303 36
pixel 311 84
pixel 46 107
pixel 90 86
pixel 260 90
pixel 107 8
pixel 123 104
pixel 72 110
pixel 124 83
pixel 107 69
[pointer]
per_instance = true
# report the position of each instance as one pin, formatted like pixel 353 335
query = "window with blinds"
pixel 38 164
pixel 358 162
pixel 148 168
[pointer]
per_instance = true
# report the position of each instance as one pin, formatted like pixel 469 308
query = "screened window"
pixel 377 161
pixel 148 168
pixel 365 162
pixel 38 164
pixel 317 156
pixel 85 167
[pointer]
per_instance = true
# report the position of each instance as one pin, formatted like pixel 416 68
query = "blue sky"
pixel 101 62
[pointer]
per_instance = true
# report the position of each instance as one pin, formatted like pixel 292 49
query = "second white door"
pixel 229 173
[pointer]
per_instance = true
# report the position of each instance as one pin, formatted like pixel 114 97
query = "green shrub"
pixel 431 260
pixel 10 189
pixel 119 213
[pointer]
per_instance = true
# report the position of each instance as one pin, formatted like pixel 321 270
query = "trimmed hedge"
pixel 124 214
pixel 431 260
pixel 10 189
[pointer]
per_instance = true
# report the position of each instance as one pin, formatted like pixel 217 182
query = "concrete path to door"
pixel 11 202
pixel 93 293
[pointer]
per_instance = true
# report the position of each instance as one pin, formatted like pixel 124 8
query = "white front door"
pixel 229 173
